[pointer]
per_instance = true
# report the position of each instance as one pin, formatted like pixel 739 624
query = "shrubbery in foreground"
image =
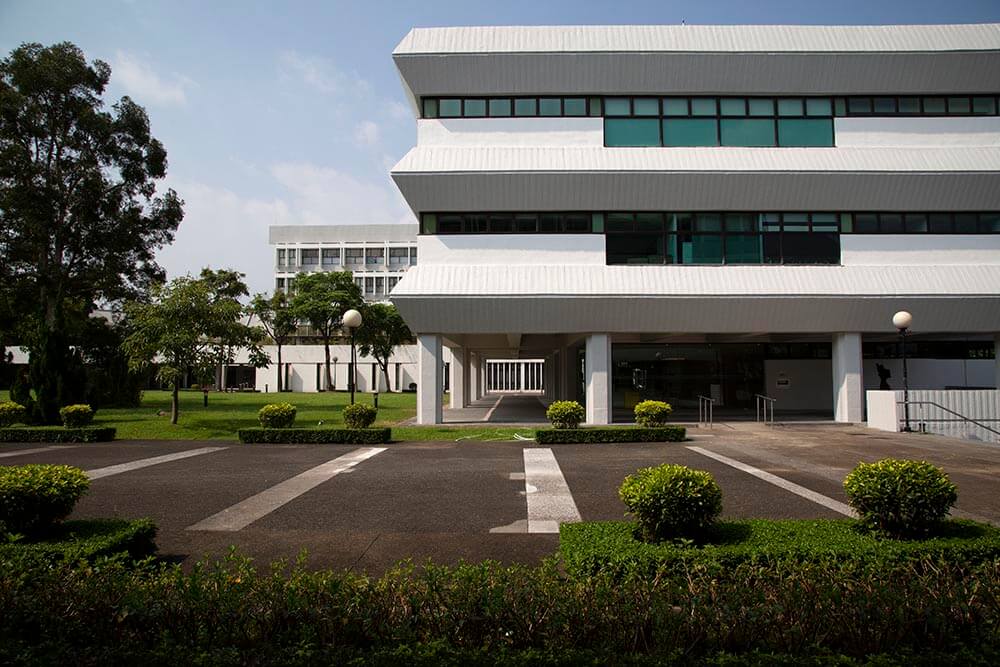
pixel 33 497
pixel 900 498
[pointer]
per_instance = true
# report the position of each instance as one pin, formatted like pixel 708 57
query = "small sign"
pixel 783 381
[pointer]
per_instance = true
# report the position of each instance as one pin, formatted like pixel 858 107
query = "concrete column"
pixel 473 377
pixel 567 389
pixel 598 363
pixel 459 377
pixel 430 379
pixel 549 373
pixel 996 361
pixel 848 378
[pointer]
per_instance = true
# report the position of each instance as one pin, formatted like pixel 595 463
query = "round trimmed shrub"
pixel 359 416
pixel 671 501
pixel 565 414
pixel 277 415
pixel 899 497
pixel 652 414
pixel 12 413
pixel 75 416
pixel 33 497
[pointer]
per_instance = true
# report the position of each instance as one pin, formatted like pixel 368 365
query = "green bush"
pixel 86 540
pixel 32 497
pixel 315 436
pixel 195 387
pixel 12 413
pixel 277 415
pixel 565 414
pixel 75 416
pixel 359 416
pixel 652 413
pixel 671 501
pixel 57 434
pixel 898 497
pixel 608 435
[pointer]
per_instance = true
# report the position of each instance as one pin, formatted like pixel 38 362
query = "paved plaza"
pixel 366 508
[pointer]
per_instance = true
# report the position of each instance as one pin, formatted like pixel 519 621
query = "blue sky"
pixel 292 112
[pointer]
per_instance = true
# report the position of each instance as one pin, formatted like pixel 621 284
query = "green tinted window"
pixel 790 107
pixel 825 222
pixel 965 223
pixel 761 107
pixel 550 106
pixel 818 106
pixel 884 105
pixel 741 222
pixel 475 108
pixel 859 105
pixel 704 106
pixel 747 132
pixel 616 106
pixel 803 132
pixel 500 107
pixel 430 108
pixel 909 105
pixel 989 222
pixel 675 106
pixel 526 106
pixel 690 132
pixel 646 106
pixel 934 105
pixel 959 105
pixel 708 222
pixel 621 222
pixel 701 249
pixel 430 223
pixel 596 108
pixel 986 105
pixel 742 249
pixel 575 106
pixel 648 222
pixel 736 106
pixel 631 132
pixel 597 223
pixel 450 108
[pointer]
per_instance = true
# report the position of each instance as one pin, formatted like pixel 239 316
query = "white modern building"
pixel 680 211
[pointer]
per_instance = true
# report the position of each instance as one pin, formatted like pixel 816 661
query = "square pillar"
pixel 848 379
pixel 996 361
pixel 568 386
pixel 459 377
pixel 549 377
pixel 598 371
pixel 473 377
pixel 430 379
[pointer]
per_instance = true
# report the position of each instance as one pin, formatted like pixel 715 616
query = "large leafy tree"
pixel 80 218
pixel 275 316
pixel 190 324
pixel 321 299
pixel 381 331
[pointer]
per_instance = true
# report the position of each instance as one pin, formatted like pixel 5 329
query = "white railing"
pixel 706 409
pixel 515 376
pixel 764 403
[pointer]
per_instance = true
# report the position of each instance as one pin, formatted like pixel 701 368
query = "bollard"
pixel 205 397
pixel 376 400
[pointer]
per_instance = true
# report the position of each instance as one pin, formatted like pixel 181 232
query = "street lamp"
pixel 352 320
pixel 902 321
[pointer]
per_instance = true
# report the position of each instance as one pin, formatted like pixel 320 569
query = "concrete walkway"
pixel 500 409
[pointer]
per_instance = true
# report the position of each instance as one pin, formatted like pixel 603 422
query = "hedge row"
pixel 613 546
pixel 490 614
pixel 88 540
pixel 597 434
pixel 57 434
pixel 318 436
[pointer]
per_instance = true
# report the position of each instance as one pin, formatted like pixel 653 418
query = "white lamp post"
pixel 352 320
pixel 902 321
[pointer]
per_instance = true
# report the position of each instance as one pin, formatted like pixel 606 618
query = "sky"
pixel 292 113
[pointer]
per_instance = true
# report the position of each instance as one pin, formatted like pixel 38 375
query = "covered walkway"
pixel 499 409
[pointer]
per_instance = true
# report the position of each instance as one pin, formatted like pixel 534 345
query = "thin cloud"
pixel 142 82
pixel 321 74
pixel 367 133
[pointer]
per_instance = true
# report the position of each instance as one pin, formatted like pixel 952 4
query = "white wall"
pixel 508 249
pixel 915 249
pixel 302 360
pixel 809 384
pixel 933 373
pixel 901 131
pixel 885 413
pixel 510 132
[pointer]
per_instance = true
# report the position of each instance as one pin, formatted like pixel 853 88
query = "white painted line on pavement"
pixel 489 415
pixel 792 487
pixel 256 507
pixel 549 499
pixel 98 473
pixel 25 452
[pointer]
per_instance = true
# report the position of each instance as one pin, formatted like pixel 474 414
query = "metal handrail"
pixel 706 408
pixel 961 417
pixel 762 404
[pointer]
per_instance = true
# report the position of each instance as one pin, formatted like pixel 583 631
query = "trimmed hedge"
pixel 277 415
pixel 315 436
pixel 34 497
pixel 359 415
pixel 76 416
pixel 899 497
pixel 672 501
pixel 87 540
pixel 598 435
pixel 614 546
pixel 565 414
pixel 652 414
pixel 12 413
pixel 57 434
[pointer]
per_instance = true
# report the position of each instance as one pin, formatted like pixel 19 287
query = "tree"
pixel 277 320
pixel 381 330
pixel 185 325
pixel 80 219
pixel 322 299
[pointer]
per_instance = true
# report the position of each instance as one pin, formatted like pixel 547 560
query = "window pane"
pixel 549 223
pixel 634 249
pixel 965 223
pixel 526 106
pixel 984 105
pixel 866 223
pixel 708 222
pixel 915 223
pixel 736 106
pixel 690 132
pixel 575 106
pixel 959 105
pixel 701 248
pixel 747 132
pixel 675 106
pixel 815 248
pixel 476 224
pixel 475 108
pixel 885 105
pixel 646 106
pixel 859 105
pixel 430 108
pixel 577 223
pixel 839 107
pixel 500 107
pixel 620 222
pixel 703 106
pixel 818 106
pixel 648 222
pixel 631 132
pixel 825 222
pixel 940 223
pixel 934 105
pixel 741 222
pixel 909 105
pixel 450 108
pixel 989 223
pixel 772 248
pixel 802 132
pixel 670 255
pixel 846 223
pixel 450 224
pixel 501 223
pixel 762 107
pixel 597 223
pixel 616 106
pixel 890 223
pixel 525 224
pixel 430 223
pixel 596 106
pixel 744 249
pixel 550 106
pixel 796 222
pixel 790 107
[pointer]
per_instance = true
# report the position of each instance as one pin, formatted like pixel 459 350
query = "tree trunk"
pixel 174 404
pixel 385 371
pixel 280 370
pixel 326 350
